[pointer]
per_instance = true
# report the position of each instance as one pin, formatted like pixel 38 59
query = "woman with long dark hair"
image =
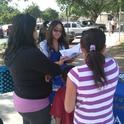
pixel 90 87
pixel 1 122
pixel 56 40
pixel 29 67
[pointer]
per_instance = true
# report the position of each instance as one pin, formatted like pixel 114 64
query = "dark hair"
pixel 43 31
pixel 65 71
pixel 23 26
pixel 45 23
pixel 95 59
pixel 62 39
pixel 1 122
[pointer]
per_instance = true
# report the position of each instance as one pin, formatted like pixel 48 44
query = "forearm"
pixel 70 96
pixel 57 120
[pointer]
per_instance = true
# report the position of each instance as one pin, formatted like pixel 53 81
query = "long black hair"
pixel 23 26
pixel 43 31
pixel 93 41
pixel 65 71
pixel 62 39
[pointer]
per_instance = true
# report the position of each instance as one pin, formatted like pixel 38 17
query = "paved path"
pixel 111 40
pixel 7 111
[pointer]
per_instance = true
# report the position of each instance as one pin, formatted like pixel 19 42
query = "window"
pixel 67 25
pixel 74 25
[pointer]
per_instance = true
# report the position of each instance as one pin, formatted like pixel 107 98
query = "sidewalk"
pixel 7 111
pixel 111 40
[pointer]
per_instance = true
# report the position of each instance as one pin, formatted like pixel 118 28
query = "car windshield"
pixel 88 22
pixel 79 23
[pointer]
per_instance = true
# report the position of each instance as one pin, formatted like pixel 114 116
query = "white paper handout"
pixel 71 52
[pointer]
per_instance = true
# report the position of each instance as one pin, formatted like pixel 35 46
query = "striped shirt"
pixel 94 105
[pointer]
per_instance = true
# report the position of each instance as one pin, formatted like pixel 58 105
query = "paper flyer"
pixel 71 52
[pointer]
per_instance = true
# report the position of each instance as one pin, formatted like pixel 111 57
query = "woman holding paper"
pixel 51 47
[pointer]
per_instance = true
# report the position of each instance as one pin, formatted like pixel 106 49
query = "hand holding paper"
pixel 72 52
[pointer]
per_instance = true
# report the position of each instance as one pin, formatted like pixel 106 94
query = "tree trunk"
pixel 94 17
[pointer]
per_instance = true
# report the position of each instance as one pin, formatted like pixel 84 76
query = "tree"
pixel 3 9
pixel 50 14
pixel 88 8
pixel 34 11
pixel 114 8
pixel 9 14
pixel 6 12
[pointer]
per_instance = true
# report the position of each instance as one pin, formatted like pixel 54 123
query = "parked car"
pixel 1 32
pixel 6 29
pixel 9 29
pixel 38 26
pixel 95 25
pixel 74 29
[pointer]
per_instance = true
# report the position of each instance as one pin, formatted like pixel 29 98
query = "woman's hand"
pixel 61 61
pixel 70 59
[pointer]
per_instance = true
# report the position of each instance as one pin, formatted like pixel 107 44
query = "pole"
pixel 67 14
pixel 119 18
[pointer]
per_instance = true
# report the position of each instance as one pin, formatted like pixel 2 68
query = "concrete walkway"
pixel 111 40
pixel 7 111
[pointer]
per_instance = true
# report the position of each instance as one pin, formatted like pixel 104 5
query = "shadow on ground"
pixel 6 96
pixel 6 106
pixel 118 53
pixel 7 110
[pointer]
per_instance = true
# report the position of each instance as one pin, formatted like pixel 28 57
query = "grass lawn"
pixel 118 53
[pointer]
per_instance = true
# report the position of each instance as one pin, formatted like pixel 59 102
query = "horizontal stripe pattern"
pixel 93 117
pixel 96 101
pixel 108 121
pixel 98 93
pixel 94 104
pixel 96 109
pixel 104 120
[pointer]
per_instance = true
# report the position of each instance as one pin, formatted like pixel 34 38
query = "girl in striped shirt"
pixel 90 87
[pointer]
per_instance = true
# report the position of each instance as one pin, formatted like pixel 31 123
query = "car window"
pixel 67 25
pixel 74 25
pixel 88 22
pixel 84 22
pixel 38 26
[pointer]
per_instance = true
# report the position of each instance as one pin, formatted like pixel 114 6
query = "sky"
pixel 43 4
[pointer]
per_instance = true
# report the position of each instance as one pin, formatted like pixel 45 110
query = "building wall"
pixel 103 18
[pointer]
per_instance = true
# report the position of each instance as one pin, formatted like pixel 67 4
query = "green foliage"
pixel 6 12
pixel 34 11
pixel 49 14
pixel 90 8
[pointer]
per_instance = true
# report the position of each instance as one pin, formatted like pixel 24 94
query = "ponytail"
pixel 95 61
pixel 93 41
